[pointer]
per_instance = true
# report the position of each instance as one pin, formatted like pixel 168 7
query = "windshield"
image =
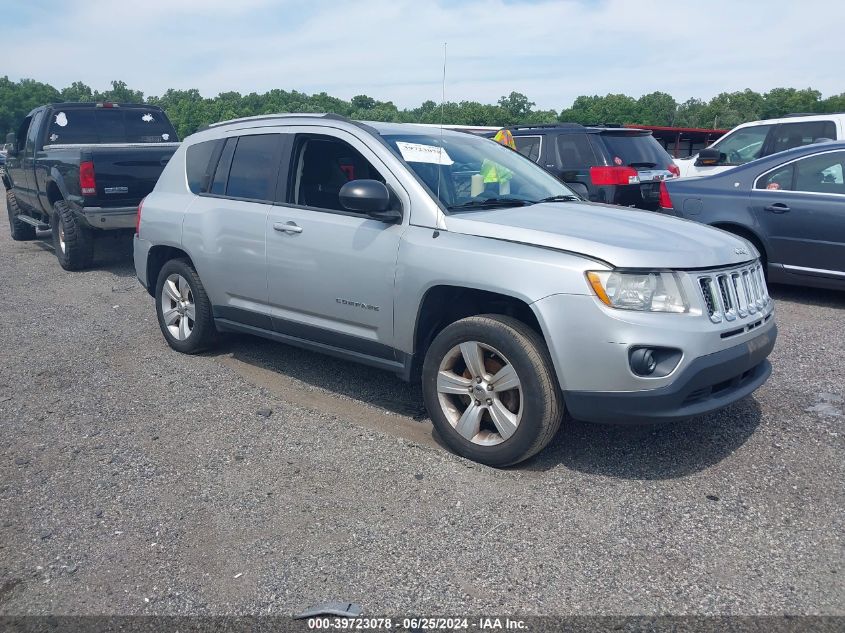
pixel 109 125
pixel 473 172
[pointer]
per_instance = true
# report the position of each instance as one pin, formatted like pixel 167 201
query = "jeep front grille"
pixel 734 294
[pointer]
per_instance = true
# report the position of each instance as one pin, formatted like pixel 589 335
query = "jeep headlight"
pixel 642 291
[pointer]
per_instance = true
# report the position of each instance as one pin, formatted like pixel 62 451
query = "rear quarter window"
pixel 635 150
pixel 200 166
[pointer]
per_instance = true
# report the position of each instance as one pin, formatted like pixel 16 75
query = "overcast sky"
pixel 552 51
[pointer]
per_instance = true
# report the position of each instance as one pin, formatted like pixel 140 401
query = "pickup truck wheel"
pixel 73 243
pixel 183 308
pixel 491 391
pixel 21 231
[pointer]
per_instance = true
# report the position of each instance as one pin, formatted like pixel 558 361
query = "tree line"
pixel 189 110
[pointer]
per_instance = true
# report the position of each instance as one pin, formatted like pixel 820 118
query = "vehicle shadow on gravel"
pixel 665 451
pixel 627 452
pixel 808 296
pixel 112 253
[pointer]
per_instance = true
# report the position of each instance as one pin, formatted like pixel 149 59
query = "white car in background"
pixel 756 139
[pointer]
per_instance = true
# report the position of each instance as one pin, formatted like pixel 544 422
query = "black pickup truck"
pixel 79 168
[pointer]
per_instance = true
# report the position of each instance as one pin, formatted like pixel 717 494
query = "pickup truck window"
pixel 32 133
pixel 471 171
pixel 91 126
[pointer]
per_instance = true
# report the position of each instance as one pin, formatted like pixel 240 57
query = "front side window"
pixel 322 165
pixel 32 133
pixel 743 145
pixel 528 146
pixel 465 172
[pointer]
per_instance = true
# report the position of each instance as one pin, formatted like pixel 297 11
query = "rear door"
pixel 801 207
pixel 789 135
pixel 225 225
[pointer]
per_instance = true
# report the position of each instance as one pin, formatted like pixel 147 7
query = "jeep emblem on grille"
pixel 740 251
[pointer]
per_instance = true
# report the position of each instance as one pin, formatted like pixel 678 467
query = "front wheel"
pixel 491 391
pixel 183 308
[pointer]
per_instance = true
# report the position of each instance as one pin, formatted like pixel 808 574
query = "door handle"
pixel 777 207
pixel 287 227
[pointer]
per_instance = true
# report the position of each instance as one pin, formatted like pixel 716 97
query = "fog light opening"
pixel 643 362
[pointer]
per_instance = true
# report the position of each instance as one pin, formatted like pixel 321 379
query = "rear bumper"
pixel 109 218
pixel 707 384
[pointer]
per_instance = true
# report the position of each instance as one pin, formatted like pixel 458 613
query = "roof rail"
pixel 531 126
pixel 263 117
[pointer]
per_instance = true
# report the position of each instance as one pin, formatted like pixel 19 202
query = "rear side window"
pixel 528 146
pixel 575 152
pixel 109 125
pixel 255 167
pixel 789 135
pixel 635 150
pixel 199 165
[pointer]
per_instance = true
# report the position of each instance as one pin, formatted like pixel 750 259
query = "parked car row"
pixel 504 281
pixel 450 259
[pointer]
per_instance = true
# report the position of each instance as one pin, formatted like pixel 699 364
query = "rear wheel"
pixel 491 391
pixel 72 242
pixel 21 231
pixel 183 308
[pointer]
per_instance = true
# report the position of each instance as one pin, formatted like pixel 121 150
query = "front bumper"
pixel 706 384
pixel 109 218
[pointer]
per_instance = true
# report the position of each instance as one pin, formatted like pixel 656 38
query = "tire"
pixel 181 332
pixel 526 416
pixel 72 242
pixel 21 231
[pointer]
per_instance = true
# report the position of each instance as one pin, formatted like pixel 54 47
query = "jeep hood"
pixel 623 237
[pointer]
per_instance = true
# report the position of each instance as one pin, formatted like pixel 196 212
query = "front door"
pixel 331 272
pixel 801 207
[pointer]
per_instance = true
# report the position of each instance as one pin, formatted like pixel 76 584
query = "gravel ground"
pixel 134 480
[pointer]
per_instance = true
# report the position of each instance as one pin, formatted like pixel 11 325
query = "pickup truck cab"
pixel 80 168
pixel 757 139
pixel 446 257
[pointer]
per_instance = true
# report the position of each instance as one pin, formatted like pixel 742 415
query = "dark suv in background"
pixel 604 163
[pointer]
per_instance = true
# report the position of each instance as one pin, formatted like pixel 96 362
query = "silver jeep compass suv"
pixel 448 258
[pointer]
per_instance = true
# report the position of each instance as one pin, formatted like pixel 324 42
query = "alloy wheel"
pixel 177 307
pixel 480 393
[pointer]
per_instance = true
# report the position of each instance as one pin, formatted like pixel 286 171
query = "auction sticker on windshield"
pixel 419 153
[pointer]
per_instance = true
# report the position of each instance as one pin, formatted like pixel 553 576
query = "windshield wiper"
pixel 561 198
pixel 490 202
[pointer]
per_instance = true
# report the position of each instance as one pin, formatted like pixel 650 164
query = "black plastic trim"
pixel 734 372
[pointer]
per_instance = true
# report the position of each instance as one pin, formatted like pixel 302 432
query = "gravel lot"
pixel 134 480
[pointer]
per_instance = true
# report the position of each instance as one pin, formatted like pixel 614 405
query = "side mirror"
pixel 709 157
pixel 11 144
pixel 371 197
pixel 580 188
